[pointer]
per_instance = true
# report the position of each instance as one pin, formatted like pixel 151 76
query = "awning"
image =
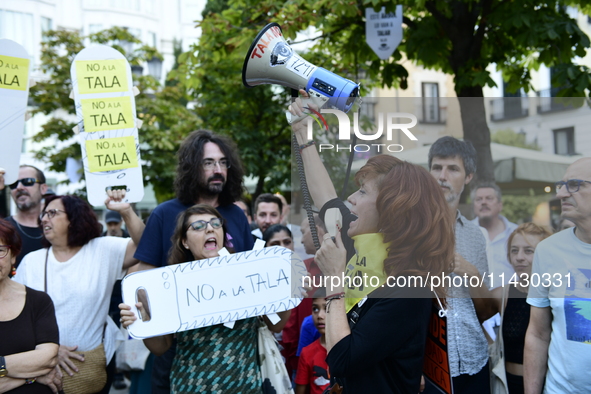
pixel 517 170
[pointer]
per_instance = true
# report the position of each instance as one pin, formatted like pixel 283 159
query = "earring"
pixel 186 246
pixel 13 271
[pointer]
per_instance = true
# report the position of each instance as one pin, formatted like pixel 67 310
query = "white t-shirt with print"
pixel 80 287
pixel 563 262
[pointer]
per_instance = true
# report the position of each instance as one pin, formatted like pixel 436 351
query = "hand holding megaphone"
pixel 270 60
pixel 303 106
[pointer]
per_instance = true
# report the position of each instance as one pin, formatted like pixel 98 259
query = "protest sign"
pixel 14 93
pixel 436 363
pixel 213 291
pixel 383 31
pixel 105 110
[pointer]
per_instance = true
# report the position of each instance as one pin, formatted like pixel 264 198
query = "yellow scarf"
pixel 368 262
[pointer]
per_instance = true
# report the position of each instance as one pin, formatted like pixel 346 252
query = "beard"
pixel 26 205
pixel 213 188
pixel 451 196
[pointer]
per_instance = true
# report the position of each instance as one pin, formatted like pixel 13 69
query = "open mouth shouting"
pixel 211 243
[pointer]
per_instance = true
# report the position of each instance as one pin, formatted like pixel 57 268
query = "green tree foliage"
pixel 253 118
pixel 520 209
pixel 511 138
pixel 166 120
pixel 458 37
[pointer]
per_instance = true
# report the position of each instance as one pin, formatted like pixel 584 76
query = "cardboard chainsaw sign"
pixel 105 110
pixel 14 93
pixel 213 291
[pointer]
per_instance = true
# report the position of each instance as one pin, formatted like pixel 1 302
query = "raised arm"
pixel 135 225
pixel 319 182
pixel 535 356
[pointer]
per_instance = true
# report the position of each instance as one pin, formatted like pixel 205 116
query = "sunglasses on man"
pixel 25 182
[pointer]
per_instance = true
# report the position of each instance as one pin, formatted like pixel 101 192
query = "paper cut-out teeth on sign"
pixel 105 108
pixel 216 290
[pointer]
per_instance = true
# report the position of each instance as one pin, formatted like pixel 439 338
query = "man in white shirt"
pixel 557 344
pixel 488 204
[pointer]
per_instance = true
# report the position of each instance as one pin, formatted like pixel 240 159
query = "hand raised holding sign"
pixel 116 199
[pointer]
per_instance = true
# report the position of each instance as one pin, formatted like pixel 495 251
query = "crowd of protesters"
pixel 57 274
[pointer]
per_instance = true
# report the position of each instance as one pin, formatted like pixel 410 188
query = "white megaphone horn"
pixel 270 60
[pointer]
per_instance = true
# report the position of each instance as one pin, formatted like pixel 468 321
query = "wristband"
pixel 307 144
pixel 30 381
pixel 333 297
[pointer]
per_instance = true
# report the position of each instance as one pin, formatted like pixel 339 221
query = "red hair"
pixel 414 218
pixel 527 229
pixel 10 237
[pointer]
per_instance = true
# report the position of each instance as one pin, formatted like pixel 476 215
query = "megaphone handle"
pixel 316 99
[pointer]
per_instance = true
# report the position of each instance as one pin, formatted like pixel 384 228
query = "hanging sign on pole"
pixel 383 31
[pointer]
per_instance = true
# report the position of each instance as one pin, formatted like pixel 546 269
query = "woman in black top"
pixel 28 328
pixel 521 245
pixel 520 252
pixel 398 226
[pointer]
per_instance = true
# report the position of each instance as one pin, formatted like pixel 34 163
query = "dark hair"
pixel 267 197
pixel 40 175
pixel 319 293
pixel 414 218
pixel 319 223
pixel 527 229
pixel 247 205
pixel 274 229
pixel 451 147
pixel 10 236
pixel 178 253
pixel 487 185
pixel 190 156
pixel 84 224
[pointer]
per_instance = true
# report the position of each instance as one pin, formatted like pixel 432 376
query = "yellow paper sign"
pixel 101 76
pixel 110 154
pixel 14 73
pixel 107 114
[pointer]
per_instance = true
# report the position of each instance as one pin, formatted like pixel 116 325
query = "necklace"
pixel 25 233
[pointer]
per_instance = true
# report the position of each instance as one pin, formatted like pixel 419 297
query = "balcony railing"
pixel 431 114
pixel 548 102
pixel 509 108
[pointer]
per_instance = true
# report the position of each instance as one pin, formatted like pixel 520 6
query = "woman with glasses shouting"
pixel 30 338
pixel 78 269
pixel 214 359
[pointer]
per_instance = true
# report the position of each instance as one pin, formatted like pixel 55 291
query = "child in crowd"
pixel 312 374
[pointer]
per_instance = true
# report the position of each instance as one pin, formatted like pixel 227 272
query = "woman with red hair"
pixel 397 233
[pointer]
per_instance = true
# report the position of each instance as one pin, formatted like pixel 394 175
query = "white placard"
pixel 215 291
pixel 383 31
pixel 105 110
pixel 14 93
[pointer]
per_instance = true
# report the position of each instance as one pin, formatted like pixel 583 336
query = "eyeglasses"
pixel 4 249
pixel 209 164
pixel 200 225
pixel 25 181
pixel 572 185
pixel 50 213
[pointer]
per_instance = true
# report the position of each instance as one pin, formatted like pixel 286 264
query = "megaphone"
pixel 270 60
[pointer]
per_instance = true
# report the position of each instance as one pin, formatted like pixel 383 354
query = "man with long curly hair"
pixel 209 172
